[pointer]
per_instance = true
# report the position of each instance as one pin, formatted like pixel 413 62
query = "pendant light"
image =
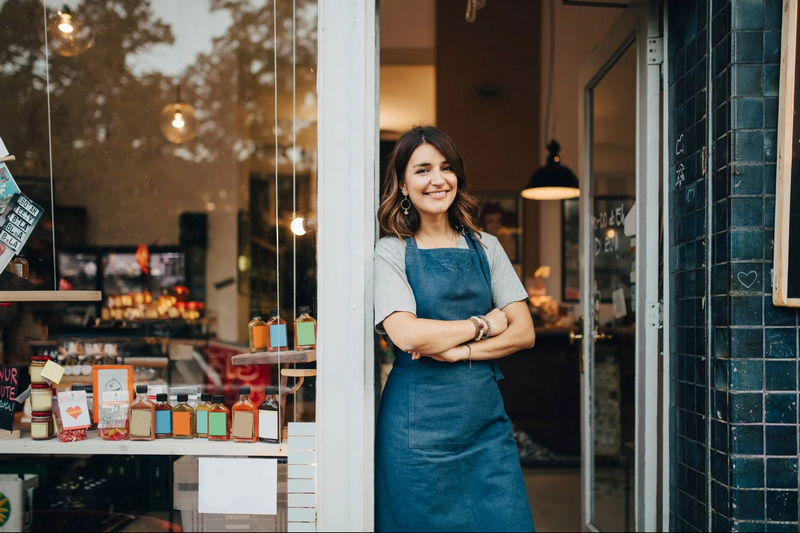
pixel 178 122
pixel 553 181
pixel 67 34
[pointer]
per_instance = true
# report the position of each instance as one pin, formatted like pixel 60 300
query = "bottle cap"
pixel 42 414
pixel 273 312
pixel 78 387
pixel 205 397
pixel 255 313
pixel 141 389
pixel 304 309
pixel 183 398
pixel 44 358
pixel 40 386
pixel 219 398
pixel 161 397
pixel 244 390
pixel 272 390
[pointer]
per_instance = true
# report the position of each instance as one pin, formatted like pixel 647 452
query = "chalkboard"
pixel 786 274
pixel 13 380
pixel 612 248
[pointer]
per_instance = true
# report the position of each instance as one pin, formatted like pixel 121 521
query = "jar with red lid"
pixel 41 397
pixel 42 425
pixel 37 365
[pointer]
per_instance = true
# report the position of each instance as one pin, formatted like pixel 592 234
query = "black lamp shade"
pixel 553 181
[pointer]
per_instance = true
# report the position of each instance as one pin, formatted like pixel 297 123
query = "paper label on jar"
pixel 242 425
pixel 277 336
pixel 268 425
pixel 40 430
pixel 141 422
pixel 202 422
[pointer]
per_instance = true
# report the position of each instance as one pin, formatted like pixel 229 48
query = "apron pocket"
pixel 449 407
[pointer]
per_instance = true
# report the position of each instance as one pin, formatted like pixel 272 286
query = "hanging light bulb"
pixel 178 122
pixel 301 226
pixel 67 34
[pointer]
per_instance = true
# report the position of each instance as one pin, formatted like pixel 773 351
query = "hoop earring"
pixel 405 208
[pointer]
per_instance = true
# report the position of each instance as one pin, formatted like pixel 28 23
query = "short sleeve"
pixel 392 290
pixel 506 286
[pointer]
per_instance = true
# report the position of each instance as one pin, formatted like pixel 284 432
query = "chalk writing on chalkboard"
pixel 12 380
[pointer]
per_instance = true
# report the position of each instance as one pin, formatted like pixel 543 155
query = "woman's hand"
pixel 497 318
pixel 453 355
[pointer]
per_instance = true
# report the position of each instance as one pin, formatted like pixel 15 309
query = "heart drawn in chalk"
pixel 74 412
pixel 747 278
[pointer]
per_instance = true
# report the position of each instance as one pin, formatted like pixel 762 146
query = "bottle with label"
pixel 201 416
pixel 143 416
pixel 245 418
pixel 269 421
pixel 163 417
pixel 276 332
pixel 183 419
pixel 219 420
pixel 305 330
pixel 258 332
pixel 19 266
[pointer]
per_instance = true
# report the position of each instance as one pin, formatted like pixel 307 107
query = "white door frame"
pixel 347 89
pixel 633 25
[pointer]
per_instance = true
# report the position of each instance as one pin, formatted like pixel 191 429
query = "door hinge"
pixel 655 50
pixel 655 315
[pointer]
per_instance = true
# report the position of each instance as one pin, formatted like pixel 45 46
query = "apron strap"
pixel 484 262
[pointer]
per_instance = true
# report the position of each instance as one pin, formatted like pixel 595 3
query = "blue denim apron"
pixel 446 459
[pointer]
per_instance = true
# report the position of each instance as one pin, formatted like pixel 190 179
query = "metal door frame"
pixel 635 26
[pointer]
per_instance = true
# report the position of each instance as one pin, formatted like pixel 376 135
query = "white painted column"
pixel 347 84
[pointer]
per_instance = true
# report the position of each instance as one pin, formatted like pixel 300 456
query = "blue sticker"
pixel 163 422
pixel 277 336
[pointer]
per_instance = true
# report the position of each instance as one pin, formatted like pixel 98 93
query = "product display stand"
pixel 273 358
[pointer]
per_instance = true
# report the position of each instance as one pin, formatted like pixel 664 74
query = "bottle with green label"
pixel 305 330
pixel 201 415
pixel 276 329
pixel 219 420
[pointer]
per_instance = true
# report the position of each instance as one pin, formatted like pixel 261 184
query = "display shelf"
pixel 273 358
pixel 50 296
pixel 148 362
pixel 94 445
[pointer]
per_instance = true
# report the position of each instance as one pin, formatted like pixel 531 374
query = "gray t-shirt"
pixel 393 293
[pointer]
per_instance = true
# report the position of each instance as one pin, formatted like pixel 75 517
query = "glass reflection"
pixel 613 188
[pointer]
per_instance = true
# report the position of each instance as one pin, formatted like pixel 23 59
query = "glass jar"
pixel 42 424
pixel 41 397
pixel 37 365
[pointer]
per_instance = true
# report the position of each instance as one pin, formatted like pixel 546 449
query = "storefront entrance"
pixel 619 218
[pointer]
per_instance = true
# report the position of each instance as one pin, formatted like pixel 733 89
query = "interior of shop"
pixel 488 84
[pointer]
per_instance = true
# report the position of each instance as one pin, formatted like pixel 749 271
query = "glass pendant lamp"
pixel 67 33
pixel 178 121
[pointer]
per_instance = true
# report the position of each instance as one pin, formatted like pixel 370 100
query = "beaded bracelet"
pixel 488 328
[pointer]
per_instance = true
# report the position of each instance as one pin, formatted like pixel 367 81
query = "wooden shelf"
pixel 298 372
pixel 273 358
pixel 50 296
pixel 94 445
pixel 148 362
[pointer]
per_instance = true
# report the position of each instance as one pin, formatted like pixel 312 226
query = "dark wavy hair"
pixel 463 212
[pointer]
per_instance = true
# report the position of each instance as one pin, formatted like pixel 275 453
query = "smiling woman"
pixel 448 297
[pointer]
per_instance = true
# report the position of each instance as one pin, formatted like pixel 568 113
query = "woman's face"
pixel 430 182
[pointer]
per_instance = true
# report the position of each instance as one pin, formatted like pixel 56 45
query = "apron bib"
pixel 446 459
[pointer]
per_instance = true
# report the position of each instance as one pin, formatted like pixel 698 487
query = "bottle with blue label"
pixel 163 417
pixel 276 332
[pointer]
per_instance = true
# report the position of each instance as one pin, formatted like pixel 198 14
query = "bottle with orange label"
pixel 183 419
pixel 258 332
